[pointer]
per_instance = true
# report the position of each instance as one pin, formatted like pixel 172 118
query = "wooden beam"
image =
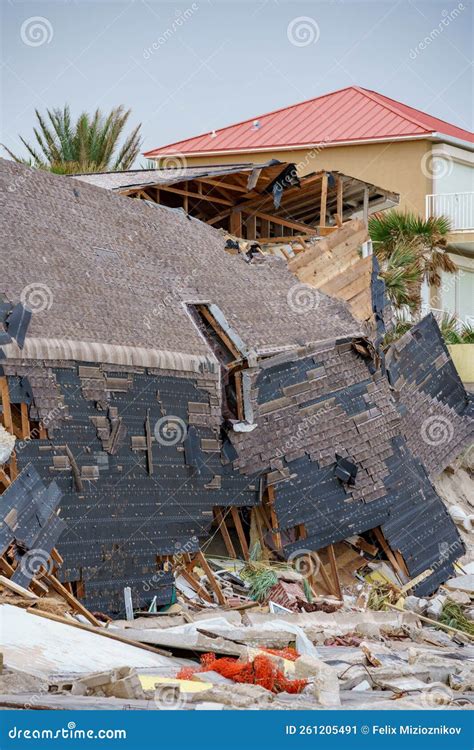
pixel 101 630
pixel 251 227
pixel 194 583
pixel 274 517
pixel 366 206
pixel 335 574
pixel 236 223
pixel 388 552
pixel 211 578
pixel 240 532
pixel 226 185
pixel 339 196
pixel 224 531
pixel 192 194
pixel 275 219
pixel 71 600
pixel 222 335
pixel 4 478
pixel 25 421
pixel 324 198
pixel 5 399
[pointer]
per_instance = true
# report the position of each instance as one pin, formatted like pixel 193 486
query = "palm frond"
pixel 93 143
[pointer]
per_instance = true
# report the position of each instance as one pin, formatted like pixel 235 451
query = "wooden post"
pixel 274 517
pixel 211 578
pixel 236 223
pixel 339 197
pixel 324 198
pixel 393 560
pixel 224 531
pixel 251 226
pixel 5 399
pixel 366 206
pixel 335 575
pixel 240 532
pixel 25 421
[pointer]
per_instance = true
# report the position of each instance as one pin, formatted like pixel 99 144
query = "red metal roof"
pixel 350 114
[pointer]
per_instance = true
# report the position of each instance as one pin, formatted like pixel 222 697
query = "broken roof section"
pixel 112 283
pixel 263 202
pixel 285 406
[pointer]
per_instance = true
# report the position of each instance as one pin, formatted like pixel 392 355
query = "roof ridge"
pixel 375 97
pixel 251 119
pixel 408 106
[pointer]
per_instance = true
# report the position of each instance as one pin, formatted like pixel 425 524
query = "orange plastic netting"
pixel 261 671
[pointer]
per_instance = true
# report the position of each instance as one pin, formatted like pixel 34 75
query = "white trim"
pixel 453 153
pixel 321 146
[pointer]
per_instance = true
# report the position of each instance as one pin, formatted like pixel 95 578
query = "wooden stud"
pixel 222 335
pixel 324 198
pixel 5 399
pixel 25 421
pixel 274 518
pixel 251 227
pixel 258 524
pixel 98 631
pixel 388 552
pixel 224 531
pixel 194 583
pixel 335 574
pixel 240 532
pixel 339 196
pixel 235 225
pixel 211 578
pixel 71 600
pixel 366 206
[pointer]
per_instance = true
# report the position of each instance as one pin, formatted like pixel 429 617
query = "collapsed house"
pixel 165 385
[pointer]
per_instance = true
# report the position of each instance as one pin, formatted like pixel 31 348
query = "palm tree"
pixel 91 144
pixel 410 250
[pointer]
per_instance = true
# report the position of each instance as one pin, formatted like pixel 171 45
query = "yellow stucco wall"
pixel 394 166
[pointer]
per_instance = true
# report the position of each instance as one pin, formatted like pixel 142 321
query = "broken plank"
pixel 211 578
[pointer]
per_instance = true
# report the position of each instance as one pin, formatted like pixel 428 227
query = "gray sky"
pixel 188 67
